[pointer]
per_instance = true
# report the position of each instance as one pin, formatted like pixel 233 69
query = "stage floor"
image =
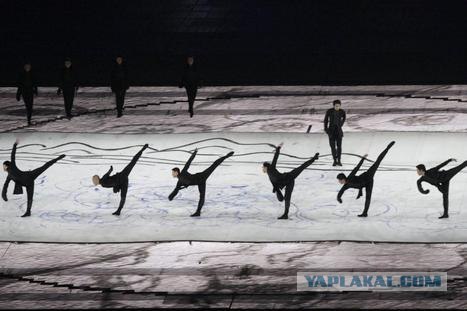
pixel 428 124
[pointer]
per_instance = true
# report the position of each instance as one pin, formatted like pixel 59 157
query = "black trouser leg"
pixel 127 170
pixel 30 193
pixel 446 200
pixel 120 99
pixel 123 192
pixel 368 192
pixel 191 93
pixel 207 172
pixel 339 148
pixel 28 102
pixel 38 171
pixel 202 194
pixel 372 170
pixel 68 97
pixel 332 144
pixel 288 197
pixel 297 171
pixel 447 175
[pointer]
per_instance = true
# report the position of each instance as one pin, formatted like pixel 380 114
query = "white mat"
pixel 240 205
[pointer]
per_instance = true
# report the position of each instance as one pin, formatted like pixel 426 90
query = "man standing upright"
pixel 68 85
pixel 27 88
pixel 119 83
pixel 190 81
pixel 333 122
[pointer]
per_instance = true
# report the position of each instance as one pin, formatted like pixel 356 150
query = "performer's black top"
pixel 333 121
pixel 433 177
pixel 190 77
pixel 119 79
pixel 68 78
pixel 356 182
pixel 277 178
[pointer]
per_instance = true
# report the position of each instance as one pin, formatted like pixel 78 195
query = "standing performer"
pixel 333 122
pixel 27 88
pixel 23 179
pixel 68 85
pixel 439 179
pixel 364 180
pixel 119 83
pixel 190 81
pixel 119 181
pixel 287 180
pixel 186 179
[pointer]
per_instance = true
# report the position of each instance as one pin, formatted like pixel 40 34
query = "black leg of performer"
pixel 446 176
pixel 33 175
pixel 207 172
pixel 123 176
pixel 370 173
pixel 68 97
pixel 288 196
pixel 290 183
pixel 368 192
pixel 335 142
pixel 204 175
pixel 339 149
pixel 332 144
pixel 445 192
pixel 372 170
pixel 127 170
pixel 123 192
pixel 449 174
pixel 297 171
pixel 28 102
pixel 38 171
pixel 202 195
pixel 191 93
pixel 30 195
pixel 120 99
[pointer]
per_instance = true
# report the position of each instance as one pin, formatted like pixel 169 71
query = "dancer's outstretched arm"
pixel 175 191
pixel 341 192
pixel 108 173
pixel 355 170
pixel 276 155
pixel 5 188
pixel 326 122
pixel 13 153
pixel 442 164
pixel 420 188
pixel 188 163
pixel 343 118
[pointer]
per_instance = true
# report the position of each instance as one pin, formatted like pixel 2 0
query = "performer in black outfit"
pixel 287 180
pixel 439 179
pixel 23 179
pixel 119 83
pixel 27 88
pixel 364 180
pixel 333 122
pixel 68 85
pixel 186 179
pixel 190 81
pixel 119 181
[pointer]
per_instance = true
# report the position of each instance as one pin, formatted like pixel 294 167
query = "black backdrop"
pixel 239 42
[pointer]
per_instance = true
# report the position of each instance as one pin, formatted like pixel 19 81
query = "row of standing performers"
pixel 119 84
pixel 281 181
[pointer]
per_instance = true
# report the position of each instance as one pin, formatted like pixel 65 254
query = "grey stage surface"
pixel 227 275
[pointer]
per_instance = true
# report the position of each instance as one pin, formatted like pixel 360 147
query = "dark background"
pixel 239 42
